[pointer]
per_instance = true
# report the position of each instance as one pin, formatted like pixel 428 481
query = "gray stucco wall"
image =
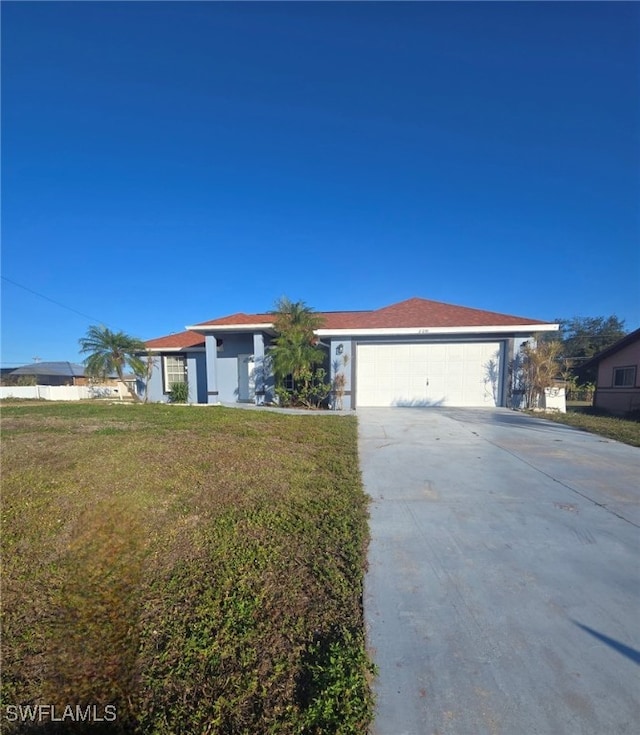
pixel 154 392
pixel 232 346
pixel 197 377
pixel 259 367
pixel 341 361
pixel 267 372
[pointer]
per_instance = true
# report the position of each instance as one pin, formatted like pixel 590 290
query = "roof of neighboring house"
pixel 63 369
pixel 413 312
pixel 615 347
pixel 180 341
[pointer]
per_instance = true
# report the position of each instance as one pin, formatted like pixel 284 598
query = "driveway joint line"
pixel 555 479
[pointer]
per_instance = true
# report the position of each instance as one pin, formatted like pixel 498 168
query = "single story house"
pixel 618 379
pixel 50 373
pixel 63 373
pixel 413 353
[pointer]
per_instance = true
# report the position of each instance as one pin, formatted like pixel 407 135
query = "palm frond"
pixel 295 347
pixel 110 352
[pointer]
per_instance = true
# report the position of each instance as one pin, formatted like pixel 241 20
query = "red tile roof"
pixel 424 313
pixel 240 319
pixel 343 319
pixel 416 312
pixel 182 340
pixel 410 313
pixel 332 319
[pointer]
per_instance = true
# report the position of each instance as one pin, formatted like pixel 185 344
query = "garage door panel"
pixel 449 374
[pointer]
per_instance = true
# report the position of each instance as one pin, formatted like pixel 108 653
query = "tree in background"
pixel 583 337
pixel 295 352
pixel 110 352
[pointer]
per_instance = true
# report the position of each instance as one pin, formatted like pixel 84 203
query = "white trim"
pixel 502 329
pixel 165 372
pixel 199 328
pixel 175 349
pixel 421 331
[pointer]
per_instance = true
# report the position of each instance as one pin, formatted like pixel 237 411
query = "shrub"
pixel 540 369
pixel 179 393
pixel 284 396
pixel 311 390
pixel 339 384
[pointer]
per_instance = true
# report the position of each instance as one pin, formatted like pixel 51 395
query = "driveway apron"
pixel 503 590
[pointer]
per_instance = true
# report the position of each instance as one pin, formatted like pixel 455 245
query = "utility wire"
pixel 53 301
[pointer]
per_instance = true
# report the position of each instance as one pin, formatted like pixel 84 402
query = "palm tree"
pixel 295 350
pixel 111 352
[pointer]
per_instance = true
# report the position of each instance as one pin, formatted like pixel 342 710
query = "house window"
pixel 287 382
pixel 624 377
pixel 175 370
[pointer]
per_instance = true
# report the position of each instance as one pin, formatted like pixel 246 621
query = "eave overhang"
pixel 217 328
pixel 418 331
pixel 158 350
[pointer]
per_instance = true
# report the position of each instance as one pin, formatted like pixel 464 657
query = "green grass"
pixel 622 430
pixel 198 568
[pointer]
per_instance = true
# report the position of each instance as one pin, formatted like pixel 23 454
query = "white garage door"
pixel 446 374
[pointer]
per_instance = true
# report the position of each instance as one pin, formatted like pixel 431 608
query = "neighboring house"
pixel 67 374
pixel 4 374
pixel 50 373
pixel 413 353
pixel 618 380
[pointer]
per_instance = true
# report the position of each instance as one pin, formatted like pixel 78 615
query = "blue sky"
pixel 167 163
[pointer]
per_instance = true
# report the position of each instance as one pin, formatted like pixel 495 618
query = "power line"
pixel 53 301
pixel 23 362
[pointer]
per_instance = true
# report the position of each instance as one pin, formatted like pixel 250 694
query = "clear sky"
pixel 168 163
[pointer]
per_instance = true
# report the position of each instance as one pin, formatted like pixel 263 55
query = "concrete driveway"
pixel 503 591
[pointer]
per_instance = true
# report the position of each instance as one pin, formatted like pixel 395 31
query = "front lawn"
pixel 622 430
pixel 198 569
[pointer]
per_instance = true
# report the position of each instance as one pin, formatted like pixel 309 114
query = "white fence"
pixel 64 392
